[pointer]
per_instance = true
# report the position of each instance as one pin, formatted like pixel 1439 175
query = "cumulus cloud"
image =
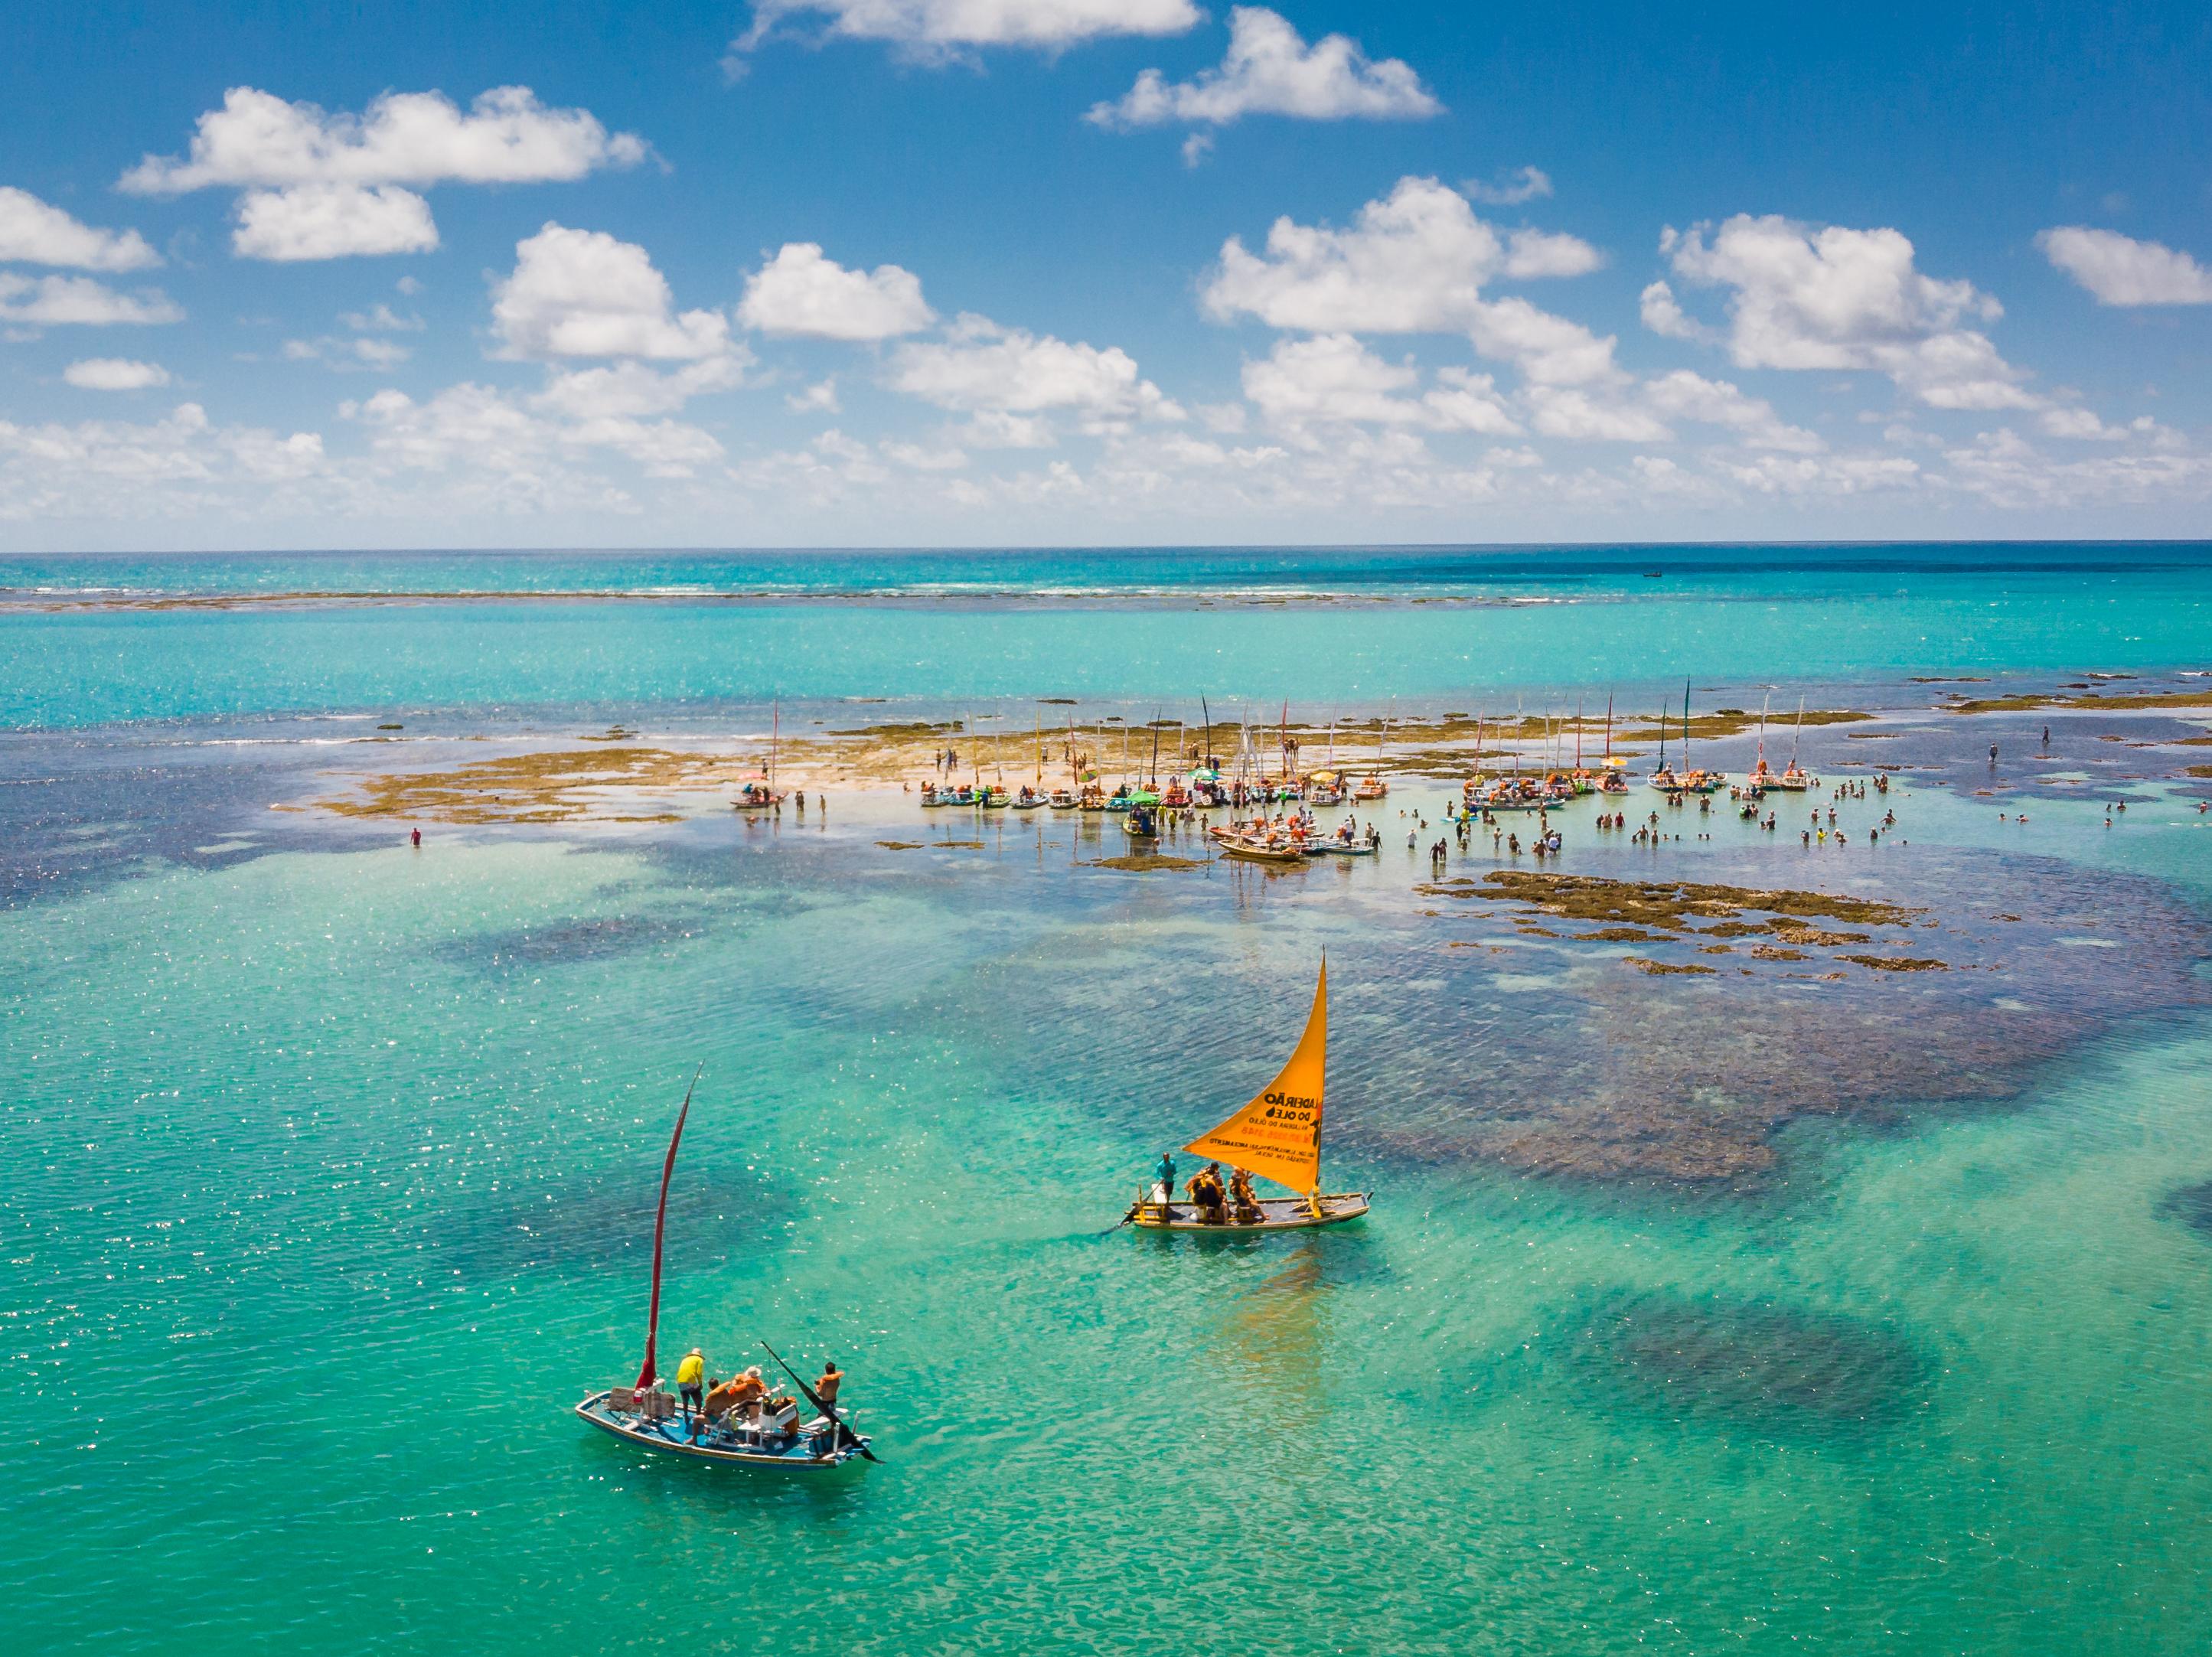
pixel 1663 314
pixel 330 221
pixel 1570 412
pixel 321 185
pixel 821 398
pixel 1548 349
pixel 582 293
pixel 1829 297
pixel 1525 184
pixel 632 390
pixel 1415 262
pixel 1332 378
pixel 985 369
pixel 939 30
pixel 125 469
pixel 801 293
pixel 42 301
pixel 2120 270
pixel 480 429
pixel 34 233
pixel 114 374
pixel 1683 394
pixel 2005 470
pixel 416 138
pixel 1270 70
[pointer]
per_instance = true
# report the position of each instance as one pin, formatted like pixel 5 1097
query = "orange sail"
pixel 1278 1134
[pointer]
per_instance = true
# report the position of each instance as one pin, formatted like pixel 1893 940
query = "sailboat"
pixel 757 790
pixel 1278 1136
pixel 1613 771
pixel 646 1416
pixel 1794 780
pixel 1761 778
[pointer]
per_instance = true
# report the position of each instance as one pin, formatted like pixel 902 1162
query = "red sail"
pixel 645 1375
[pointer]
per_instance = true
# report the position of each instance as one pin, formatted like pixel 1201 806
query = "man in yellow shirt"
pixel 690 1383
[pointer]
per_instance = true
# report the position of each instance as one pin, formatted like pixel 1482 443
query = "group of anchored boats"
pixel 1274 1136
pixel 1291 834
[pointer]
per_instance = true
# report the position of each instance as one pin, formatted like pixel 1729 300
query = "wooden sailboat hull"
pixel 670 1438
pixel 1278 1214
pixel 1281 857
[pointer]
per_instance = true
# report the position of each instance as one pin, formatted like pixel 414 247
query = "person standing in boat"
pixel 1163 1180
pixel 826 1388
pixel 692 1384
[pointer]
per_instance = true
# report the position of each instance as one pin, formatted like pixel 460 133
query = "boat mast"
pixel 1662 736
pixel 1686 727
pixel 1608 729
pixel 645 1374
pixel 1797 733
pixel 774 733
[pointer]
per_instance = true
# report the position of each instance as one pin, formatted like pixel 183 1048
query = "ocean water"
pixel 329 1163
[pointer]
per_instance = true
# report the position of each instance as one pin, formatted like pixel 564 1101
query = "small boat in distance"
pixel 1278 1136
pixel 759 791
pixel 646 1416
pixel 1794 780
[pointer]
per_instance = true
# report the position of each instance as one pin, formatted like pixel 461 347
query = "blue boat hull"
pixel 671 1438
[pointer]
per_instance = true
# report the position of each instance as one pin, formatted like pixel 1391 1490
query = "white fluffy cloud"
pixel 985 369
pixel 332 221
pixel 2005 470
pixel 1270 70
pixel 1683 394
pixel 934 29
pixel 2120 270
pixel 1332 379
pixel 114 374
pixel 34 233
pixel 1663 314
pixel 631 389
pixel 1833 298
pixel 799 292
pixel 321 185
pixel 44 301
pixel 582 293
pixel 1570 412
pixel 1415 262
pixel 480 432
pixel 181 463
pixel 406 137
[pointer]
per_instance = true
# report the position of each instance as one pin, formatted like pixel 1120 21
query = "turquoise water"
pixel 1425 628
pixel 329 1165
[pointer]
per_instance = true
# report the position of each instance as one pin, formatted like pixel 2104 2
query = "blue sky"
pixel 1004 271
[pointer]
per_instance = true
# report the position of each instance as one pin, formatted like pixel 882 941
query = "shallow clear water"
pixel 328 1167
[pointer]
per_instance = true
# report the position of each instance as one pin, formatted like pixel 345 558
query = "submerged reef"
pixel 1570 1055
pixel 1774 1371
